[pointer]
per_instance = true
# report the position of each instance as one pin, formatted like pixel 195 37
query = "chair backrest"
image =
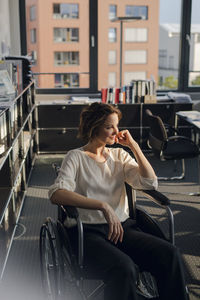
pixel 157 134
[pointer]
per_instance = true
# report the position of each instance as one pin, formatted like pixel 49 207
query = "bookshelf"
pixel 18 124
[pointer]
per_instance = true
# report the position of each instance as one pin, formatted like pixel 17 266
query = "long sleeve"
pixel 132 176
pixel 67 174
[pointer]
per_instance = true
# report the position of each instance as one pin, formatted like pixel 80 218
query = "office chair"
pixel 166 147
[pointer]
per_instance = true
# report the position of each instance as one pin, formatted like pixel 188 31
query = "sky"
pixel 170 11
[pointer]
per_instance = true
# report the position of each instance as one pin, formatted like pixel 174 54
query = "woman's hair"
pixel 93 117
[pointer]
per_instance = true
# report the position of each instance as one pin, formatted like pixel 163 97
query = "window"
pixel 66 35
pixel 66 80
pixel 135 57
pixel 160 32
pixel 135 35
pixel 112 11
pixel 169 45
pixel 136 11
pixel 163 58
pixel 194 46
pixel 66 58
pixel 63 42
pixel 33 36
pixel 32 13
pixel 112 79
pixel 112 35
pixel 112 57
pixel 65 11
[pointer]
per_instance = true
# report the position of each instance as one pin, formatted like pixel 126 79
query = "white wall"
pixel 9 28
pixel 15 45
pixel 4 28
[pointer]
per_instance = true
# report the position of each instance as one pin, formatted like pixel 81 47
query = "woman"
pixel 92 179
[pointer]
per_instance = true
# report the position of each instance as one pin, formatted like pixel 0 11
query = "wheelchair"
pixel 63 272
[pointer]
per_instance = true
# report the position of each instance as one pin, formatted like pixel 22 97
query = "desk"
pixel 192 117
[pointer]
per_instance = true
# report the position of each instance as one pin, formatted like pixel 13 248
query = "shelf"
pixel 15 165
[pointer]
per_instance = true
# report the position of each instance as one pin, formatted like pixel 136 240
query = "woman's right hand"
pixel 116 231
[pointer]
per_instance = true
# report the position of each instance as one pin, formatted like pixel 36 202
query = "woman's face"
pixel 108 130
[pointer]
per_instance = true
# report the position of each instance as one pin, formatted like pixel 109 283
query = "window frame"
pixel 183 85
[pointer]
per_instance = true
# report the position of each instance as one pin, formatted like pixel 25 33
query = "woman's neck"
pixel 94 148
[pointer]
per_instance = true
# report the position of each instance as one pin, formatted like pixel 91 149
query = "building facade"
pixel 169 53
pixel 58 41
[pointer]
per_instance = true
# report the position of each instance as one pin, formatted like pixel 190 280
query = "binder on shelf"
pixel 16 132
pixel 4 130
pixel 117 91
pixel 138 91
pixel 27 75
pixel 143 91
pixel 15 71
pixel 104 92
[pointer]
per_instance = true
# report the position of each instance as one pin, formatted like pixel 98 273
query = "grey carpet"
pixel 21 278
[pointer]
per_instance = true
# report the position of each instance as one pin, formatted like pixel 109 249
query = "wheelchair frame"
pixel 61 269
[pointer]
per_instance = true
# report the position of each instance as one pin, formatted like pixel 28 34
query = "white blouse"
pixel 101 180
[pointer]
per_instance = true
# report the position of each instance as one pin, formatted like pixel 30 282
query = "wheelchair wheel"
pixel 72 273
pixel 51 261
pixel 147 286
pixel 57 265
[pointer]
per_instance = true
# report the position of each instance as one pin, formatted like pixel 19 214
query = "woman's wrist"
pixel 103 206
pixel 134 146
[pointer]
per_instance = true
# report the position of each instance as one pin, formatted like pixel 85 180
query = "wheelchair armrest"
pixel 70 211
pixel 157 197
pixel 163 201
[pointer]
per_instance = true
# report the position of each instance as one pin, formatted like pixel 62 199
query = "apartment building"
pixel 169 51
pixel 59 42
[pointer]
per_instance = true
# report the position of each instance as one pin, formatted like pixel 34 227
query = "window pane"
pixel 112 35
pixel 66 35
pixel 150 47
pixel 65 11
pixel 140 42
pixel 137 11
pixel 112 11
pixel 56 24
pixel 32 13
pixel 135 35
pixel 135 57
pixel 66 80
pixel 112 57
pixel 169 38
pixel 33 35
pixel 194 62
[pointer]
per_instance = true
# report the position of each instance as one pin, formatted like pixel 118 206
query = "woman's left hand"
pixel 124 138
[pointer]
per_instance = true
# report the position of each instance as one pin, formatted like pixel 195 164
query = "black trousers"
pixel 118 264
